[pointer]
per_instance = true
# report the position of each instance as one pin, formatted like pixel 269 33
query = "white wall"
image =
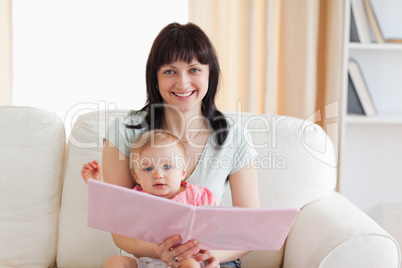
pixel 71 56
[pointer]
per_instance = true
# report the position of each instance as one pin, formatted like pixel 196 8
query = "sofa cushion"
pixel 80 246
pixel 32 145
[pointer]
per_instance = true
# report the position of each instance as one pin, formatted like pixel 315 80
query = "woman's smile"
pixel 184 94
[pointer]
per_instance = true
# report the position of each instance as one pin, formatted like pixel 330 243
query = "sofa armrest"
pixel 332 232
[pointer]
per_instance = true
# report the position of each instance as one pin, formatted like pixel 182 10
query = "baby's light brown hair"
pixel 155 137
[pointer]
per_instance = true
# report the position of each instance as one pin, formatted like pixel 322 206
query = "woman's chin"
pixel 194 107
pixel 189 108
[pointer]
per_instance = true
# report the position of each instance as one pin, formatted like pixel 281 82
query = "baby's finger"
pixel 213 263
pixel 93 165
pixel 207 255
pixel 90 165
pixel 204 255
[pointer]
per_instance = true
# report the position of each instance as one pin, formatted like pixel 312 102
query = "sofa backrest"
pixel 32 146
pixel 297 166
pixel 296 159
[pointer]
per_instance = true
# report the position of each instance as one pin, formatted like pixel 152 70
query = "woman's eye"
pixel 169 72
pixel 148 169
pixel 195 70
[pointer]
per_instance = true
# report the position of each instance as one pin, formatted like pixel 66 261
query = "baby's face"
pixel 160 171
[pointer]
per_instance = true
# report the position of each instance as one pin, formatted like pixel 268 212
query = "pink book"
pixel 150 218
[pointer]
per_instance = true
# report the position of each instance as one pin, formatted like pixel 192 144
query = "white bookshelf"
pixel 374 120
pixel 371 146
pixel 375 46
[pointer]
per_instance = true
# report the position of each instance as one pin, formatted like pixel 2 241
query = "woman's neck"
pixel 180 123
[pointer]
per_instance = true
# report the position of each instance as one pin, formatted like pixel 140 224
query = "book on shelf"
pixel 361 21
pixel 394 40
pixel 361 88
pixel 353 35
pixel 373 22
pixel 354 104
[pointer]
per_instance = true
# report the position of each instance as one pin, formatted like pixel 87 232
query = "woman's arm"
pixel 116 166
pixel 116 170
pixel 244 188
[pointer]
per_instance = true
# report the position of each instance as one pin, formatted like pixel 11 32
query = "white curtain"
pixel 277 56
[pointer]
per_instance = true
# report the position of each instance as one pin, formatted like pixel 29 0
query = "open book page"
pixel 146 217
pixel 135 214
pixel 242 228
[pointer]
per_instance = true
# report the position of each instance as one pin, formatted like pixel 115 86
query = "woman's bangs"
pixel 184 50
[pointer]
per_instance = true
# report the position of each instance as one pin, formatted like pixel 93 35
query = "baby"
pixel 158 166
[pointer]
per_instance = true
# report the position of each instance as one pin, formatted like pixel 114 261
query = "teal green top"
pixel 214 165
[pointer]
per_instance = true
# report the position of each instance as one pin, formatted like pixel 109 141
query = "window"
pixel 72 56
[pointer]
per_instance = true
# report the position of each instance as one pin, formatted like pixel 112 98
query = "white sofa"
pixel 43 198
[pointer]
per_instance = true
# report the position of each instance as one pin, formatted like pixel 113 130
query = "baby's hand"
pixel 91 170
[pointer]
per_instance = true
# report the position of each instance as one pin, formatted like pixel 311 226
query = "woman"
pixel 182 76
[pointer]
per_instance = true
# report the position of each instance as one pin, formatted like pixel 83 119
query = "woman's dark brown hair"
pixel 183 42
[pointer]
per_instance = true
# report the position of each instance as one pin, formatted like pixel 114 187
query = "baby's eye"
pixel 148 169
pixel 167 167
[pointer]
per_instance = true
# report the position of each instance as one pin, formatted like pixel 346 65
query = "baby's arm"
pixel 91 170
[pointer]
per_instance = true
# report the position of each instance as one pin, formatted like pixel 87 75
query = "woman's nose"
pixel 182 81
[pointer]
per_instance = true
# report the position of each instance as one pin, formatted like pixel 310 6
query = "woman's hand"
pixel 208 255
pixel 175 255
pixel 91 170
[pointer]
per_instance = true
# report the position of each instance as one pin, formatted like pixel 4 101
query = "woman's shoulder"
pixel 236 130
pixel 134 117
pixel 130 118
pixel 232 122
pixel 121 131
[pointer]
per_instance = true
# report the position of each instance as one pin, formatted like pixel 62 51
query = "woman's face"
pixel 183 84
